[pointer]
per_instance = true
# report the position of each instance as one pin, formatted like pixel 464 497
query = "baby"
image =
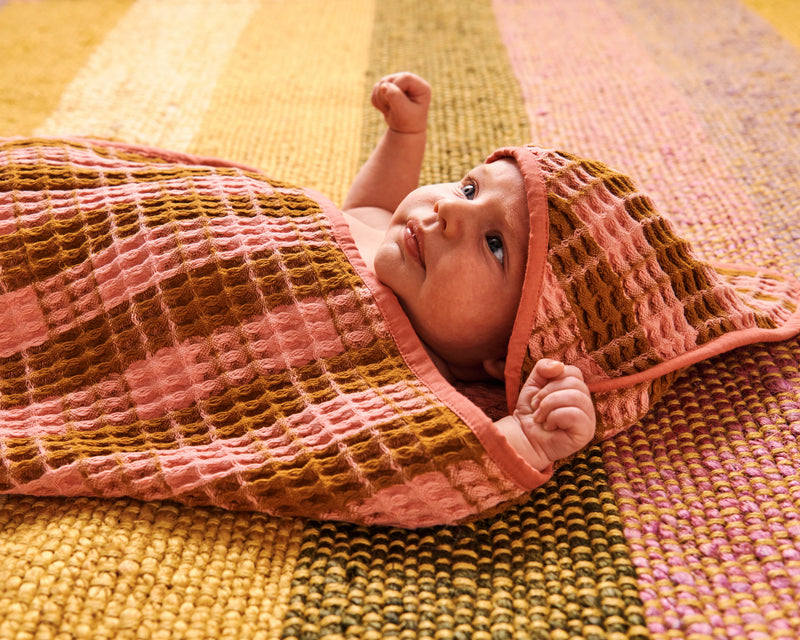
pixel 455 256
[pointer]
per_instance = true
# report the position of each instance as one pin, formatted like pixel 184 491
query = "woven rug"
pixel 687 525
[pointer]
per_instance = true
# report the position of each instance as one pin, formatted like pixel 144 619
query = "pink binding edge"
pixel 538 238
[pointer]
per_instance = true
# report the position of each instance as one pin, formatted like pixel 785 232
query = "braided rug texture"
pixel 686 525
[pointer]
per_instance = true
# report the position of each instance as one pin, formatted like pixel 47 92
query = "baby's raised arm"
pixel 555 415
pixel 392 170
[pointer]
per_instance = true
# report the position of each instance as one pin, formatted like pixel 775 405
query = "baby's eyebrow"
pixel 478 169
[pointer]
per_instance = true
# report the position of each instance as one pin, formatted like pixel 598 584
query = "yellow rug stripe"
pixel 784 15
pixel 42 48
pixel 82 568
pixel 153 76
pixel 290 100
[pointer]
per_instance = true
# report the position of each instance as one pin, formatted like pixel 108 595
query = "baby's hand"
pixel 403 99
pixel 555 410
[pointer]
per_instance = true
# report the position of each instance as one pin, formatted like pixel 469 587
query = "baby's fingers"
pixel 554 403
pixel 566 382
pixel 546 369
pixel 378 97
pixel 412 86
pixel 393 95
pixel 571 420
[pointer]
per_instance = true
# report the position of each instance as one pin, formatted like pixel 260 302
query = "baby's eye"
pixel 469 190
pixel 496 247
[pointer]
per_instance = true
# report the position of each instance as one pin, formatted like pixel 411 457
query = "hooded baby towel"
pixel 610 288
pixel 181 328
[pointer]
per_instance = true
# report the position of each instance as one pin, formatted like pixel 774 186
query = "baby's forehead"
pixel 505 170
pixel 504 178
pixel 507 177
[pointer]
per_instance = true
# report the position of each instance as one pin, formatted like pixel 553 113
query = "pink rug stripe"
pixel 608 100
pixel 738 87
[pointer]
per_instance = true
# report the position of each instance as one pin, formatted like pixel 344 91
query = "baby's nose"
pixel 438 209
pixel 450 214
pixel 453 215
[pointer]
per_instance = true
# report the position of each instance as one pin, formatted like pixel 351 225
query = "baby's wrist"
pixel 511 428
pixel 411 132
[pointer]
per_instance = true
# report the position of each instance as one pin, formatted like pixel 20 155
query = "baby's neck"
pixel 440 364
pixel 456 373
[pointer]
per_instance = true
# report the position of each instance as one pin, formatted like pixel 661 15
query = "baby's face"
pixel 455 255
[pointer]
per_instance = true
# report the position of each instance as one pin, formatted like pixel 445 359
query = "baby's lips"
pixel 414 243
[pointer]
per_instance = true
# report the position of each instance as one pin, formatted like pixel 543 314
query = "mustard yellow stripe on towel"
pixel 152 78
pixel 43 46
pixel 289 100
pixel 783 14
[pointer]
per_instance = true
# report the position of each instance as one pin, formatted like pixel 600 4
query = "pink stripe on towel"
pixel 163 474
pixel 22 324
pixel 175 377
pixel 135 263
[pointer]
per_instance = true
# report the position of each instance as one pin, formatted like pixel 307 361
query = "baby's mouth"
pixel 414 243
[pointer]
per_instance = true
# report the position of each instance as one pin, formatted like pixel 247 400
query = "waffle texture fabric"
pixel 611 288
pixel 684 525
pixel 187 329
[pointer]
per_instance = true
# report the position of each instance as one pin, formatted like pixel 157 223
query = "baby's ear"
pixel 495 367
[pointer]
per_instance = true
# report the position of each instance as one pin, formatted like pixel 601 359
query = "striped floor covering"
pixel 685 526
